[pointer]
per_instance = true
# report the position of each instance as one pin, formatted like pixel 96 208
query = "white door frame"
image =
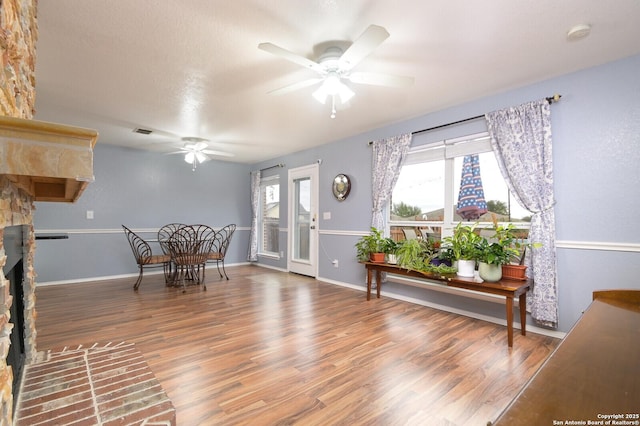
pixel 299 266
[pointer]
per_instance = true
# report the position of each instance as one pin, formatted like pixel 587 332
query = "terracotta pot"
pixel 377 257
pixel 514 272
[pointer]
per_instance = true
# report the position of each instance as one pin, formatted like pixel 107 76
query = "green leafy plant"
pixel 462 244
pixel 506 236
pixel 389 245
pixel 416 255
pixel 494 253
pixel 372 243
pixel 411 254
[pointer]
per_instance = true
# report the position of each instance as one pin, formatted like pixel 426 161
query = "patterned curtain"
pixel 388 155
pixel 252 256
pixel 521 141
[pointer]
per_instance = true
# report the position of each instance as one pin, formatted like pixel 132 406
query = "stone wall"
pixel 18 36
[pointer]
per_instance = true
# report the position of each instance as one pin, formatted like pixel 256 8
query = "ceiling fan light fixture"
pixel 331 87
pixel 345 93
pixel 320 94
pixel 189 157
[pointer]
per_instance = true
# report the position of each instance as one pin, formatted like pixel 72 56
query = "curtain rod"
pixel 550 99
pixel 272 167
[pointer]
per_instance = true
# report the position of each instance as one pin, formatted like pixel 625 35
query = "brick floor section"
pixel 99 385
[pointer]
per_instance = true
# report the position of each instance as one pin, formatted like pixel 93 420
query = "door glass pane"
pixel 270 222
pixel 302 208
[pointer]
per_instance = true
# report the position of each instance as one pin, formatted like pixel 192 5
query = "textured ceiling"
pixel 192 68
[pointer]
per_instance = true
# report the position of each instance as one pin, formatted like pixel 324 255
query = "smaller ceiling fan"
pixel 195 151
pixel 336 65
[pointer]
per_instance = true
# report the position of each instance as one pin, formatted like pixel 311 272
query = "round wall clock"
pixel 341 187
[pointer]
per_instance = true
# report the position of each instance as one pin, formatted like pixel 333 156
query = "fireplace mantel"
pixel 51 162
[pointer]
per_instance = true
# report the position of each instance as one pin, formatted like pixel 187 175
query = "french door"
pixel 302 246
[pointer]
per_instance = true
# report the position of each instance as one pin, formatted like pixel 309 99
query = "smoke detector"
pixel 578 32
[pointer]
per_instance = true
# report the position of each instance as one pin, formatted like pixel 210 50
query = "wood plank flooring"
pixel 271 348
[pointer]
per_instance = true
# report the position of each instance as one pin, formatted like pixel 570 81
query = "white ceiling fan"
pixel 195 151
pixel 336 65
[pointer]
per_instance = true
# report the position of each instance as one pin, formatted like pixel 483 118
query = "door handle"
pixel 312 227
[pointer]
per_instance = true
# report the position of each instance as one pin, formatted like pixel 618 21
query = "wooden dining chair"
pixel 145 257
pixel 220 246
pixel 188 247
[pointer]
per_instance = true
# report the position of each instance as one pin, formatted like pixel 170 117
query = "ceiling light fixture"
pixel 332 87
pixel 578 32
pixel 194 158
pixel 193 148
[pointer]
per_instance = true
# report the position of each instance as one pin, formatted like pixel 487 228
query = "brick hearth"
pixel 98 385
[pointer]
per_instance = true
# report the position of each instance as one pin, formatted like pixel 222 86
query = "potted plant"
pixel 463 248
pixel 411 254
pixel 370 247
pixel 506 236
pixel 491 256
pixel 389 247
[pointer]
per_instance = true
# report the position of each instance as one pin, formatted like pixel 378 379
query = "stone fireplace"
pixel 38 162
pixel 17 98
pixel 15 210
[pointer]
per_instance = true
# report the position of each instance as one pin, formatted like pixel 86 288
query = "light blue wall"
pixel 596 133
pixel 142 191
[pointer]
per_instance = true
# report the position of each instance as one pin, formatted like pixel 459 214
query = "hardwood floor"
pixel 271 348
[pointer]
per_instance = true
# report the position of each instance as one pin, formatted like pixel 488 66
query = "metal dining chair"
pixel 163 236
pixel 220 247
pixel 145 257
pixel 189 247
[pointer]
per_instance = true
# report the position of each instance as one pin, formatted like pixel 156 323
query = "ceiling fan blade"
pixel 218 153
pixel 371 38
pixel 177 152
pixel 380 79
pixel 295 86
pixel 290 56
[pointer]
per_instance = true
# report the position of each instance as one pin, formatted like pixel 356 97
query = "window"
pixel 269 219
pixel 424 199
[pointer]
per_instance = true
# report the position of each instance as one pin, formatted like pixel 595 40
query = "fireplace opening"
pixel 14 272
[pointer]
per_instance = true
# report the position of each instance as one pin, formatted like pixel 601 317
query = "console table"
pixel 507 288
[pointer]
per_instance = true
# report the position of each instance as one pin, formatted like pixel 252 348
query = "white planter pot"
pixel 490 273
pixel 466 268
pixel 392 259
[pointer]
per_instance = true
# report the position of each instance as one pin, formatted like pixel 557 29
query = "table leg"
pixel 369 277
pixel 522 305
pixel 378 283
pixel 510 321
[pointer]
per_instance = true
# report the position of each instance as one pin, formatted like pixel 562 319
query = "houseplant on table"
pixel 462 247
pixel 491 256
pixel 370 247
pixel 416 255
pixel 508 250
pixel 390 247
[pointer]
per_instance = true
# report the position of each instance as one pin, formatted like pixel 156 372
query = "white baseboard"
pixel 132 275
